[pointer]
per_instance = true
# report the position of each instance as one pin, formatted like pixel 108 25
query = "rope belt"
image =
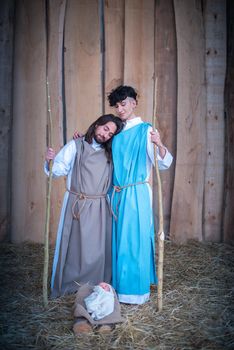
pixel 84 197
pixel 119 189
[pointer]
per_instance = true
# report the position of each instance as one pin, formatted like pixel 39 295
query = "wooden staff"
pixel 48 195
pixel 160 236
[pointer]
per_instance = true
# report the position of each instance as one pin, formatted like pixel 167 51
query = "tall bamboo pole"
pixel 160 235
pixel 48 195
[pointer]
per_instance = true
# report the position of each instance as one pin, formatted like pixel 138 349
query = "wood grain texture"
pixel 29 123
pixel 140 43
pixel 186 215
pixel 6 72
pixel 56 18
pixel 166 73
pixel 215 37
pixel 228 217
pixel 114 46
pixel 83 88
pixel 139 53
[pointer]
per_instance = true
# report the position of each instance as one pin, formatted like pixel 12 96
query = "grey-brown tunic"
pixel 85 247
pixel 80 308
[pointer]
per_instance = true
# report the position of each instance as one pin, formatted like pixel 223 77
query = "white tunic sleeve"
pixel 63 161
pixel 163 163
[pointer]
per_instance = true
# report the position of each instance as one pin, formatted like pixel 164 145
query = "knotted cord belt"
pixel 84 197
pixel 119 189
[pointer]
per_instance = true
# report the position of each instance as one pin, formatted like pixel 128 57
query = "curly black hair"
pixel 121 93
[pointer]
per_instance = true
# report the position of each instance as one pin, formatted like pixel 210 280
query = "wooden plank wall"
pixel 228 209
pixel 95 45
pixel 29 122
pixel 6 67
pixel 55 57
pixel 82 62
pixel 166 72
pixel 114 46
pixel 186 216
pixel 139 49
pixel 215 68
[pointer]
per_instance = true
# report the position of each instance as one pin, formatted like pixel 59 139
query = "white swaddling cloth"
pixel 100 303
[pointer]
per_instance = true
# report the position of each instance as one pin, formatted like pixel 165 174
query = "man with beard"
pixel 83 245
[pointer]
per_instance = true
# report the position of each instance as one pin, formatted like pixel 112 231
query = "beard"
pixel 99 139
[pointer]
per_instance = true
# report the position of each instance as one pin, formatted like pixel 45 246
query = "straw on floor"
pixel 197 313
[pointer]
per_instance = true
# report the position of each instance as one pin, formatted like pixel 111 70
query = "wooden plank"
pixel 139 53
pixel 166 72
pixel 29 123
pixel 215 34
pixel 83 88
pixel 6 70
pixel 228 217
pixel 186 215
pixel 56 12
pixel 114 46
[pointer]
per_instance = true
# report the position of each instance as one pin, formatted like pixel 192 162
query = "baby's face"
pixel 105 286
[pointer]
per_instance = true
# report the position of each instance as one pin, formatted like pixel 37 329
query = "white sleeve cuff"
pixel 164 163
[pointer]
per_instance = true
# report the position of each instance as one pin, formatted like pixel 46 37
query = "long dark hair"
pixel 102 121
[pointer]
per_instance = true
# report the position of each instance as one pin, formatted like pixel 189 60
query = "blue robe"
pixel 133 232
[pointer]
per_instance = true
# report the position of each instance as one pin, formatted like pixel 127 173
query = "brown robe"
pixel 80 308
pixel 85 247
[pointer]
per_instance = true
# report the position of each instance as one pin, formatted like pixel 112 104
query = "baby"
pixel 105 286
pixel 100 303
pixel 96 308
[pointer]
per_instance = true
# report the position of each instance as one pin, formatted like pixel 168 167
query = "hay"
pixel 197 306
